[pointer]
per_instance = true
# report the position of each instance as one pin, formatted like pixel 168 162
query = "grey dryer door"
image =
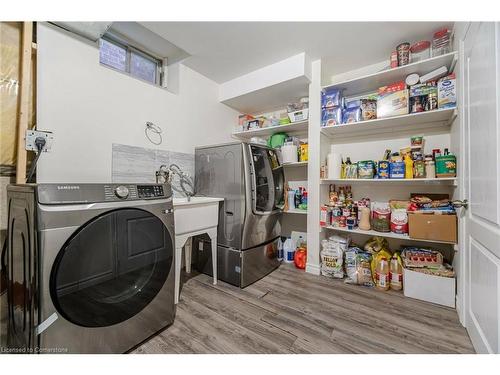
pixel 111 268
pixel 264 196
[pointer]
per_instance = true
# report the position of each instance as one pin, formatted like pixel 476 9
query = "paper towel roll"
pixel 289 154
pixel 334 161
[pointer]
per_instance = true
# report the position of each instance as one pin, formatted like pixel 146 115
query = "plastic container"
pixel 301 115
pixel 446 166
pixel 288 251
pixel 396 274
pixel 382 281
pixel 441 42
pixel 420 51
pixel 280 249
pixel 291 199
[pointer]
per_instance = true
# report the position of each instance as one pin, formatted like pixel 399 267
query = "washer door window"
pixel 111 268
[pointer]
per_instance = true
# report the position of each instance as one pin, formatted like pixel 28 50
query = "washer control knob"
pixel 121 192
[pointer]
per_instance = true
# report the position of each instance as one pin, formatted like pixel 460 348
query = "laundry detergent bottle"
pixel 288 251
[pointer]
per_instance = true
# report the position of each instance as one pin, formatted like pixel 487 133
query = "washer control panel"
pixel 150 191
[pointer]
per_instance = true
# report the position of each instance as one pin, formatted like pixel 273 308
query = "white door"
pixel 482 185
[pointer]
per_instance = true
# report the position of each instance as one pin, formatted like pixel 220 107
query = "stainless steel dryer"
pixel 250 179
pixel 90 266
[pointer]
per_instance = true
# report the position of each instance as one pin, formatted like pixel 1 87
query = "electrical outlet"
pixel 31 135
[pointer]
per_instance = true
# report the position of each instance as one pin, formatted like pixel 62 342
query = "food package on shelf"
pixel 381 217
pixel 331 116
pixel 351 171
pixel 351 112
pixel 416 257
pixel 350 115
pixel 392 100
pixel 366 169
pixel 376 244
pixel 331 98
pixel 368 109
pixel 426 260
pixel 383 169
pixel 332 256
pixel 399 216
pixel 358 267
pixel 397 169
pixel 447 92
pixel 423 97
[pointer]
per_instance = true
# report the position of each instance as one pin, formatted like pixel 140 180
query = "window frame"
pixel 129 49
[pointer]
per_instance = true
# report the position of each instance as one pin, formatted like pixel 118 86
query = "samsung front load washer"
pixel 98 276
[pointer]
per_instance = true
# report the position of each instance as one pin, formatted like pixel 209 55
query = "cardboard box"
pixel 392 104
pixel 433 227
pixel 430 288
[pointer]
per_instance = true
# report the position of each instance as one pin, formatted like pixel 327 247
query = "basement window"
pixel 130 60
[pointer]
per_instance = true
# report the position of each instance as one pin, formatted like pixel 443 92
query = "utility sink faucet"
pixel 166 174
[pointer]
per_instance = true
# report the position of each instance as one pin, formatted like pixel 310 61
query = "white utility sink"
pixel 196 214
pixel 195 200
pixel 192 217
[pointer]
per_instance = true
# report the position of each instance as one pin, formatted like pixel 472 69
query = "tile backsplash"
pixel 139 164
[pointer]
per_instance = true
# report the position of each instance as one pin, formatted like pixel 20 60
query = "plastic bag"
pixel 332 256
pixel 375 244
pixel 357 264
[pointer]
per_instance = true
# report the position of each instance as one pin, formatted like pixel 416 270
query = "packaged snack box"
pixel 392 100
pixel 447 92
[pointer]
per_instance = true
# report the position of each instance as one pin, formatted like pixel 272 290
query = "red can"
pixel 394 59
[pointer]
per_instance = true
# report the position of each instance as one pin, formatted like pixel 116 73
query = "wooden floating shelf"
pixel 295 211
pixel 437 120
pixel 451 181
pixel 371 82
pixel 293 128
pixel 384 234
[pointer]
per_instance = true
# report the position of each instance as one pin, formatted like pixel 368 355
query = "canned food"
pixel 403 51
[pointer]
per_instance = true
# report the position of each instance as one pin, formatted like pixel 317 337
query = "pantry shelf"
pixel 293 128
pixel 371 82
pixel 295 211
pixel 451 181
pixel 372 233
pixel 296 164
pixel 430 121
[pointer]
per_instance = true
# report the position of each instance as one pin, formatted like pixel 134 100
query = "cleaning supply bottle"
pixel 288 251
pixel 303 201
pixel 408 166
pixel 280 249
pixel 396 273
pixel 298 197
pixel 382 274
pixel 291 199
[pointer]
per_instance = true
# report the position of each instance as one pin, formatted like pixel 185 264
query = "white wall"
pixel 89 107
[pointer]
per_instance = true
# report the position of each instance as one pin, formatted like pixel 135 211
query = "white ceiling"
pixel 222 51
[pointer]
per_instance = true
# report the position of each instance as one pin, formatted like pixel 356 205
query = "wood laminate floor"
pixel 290 311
